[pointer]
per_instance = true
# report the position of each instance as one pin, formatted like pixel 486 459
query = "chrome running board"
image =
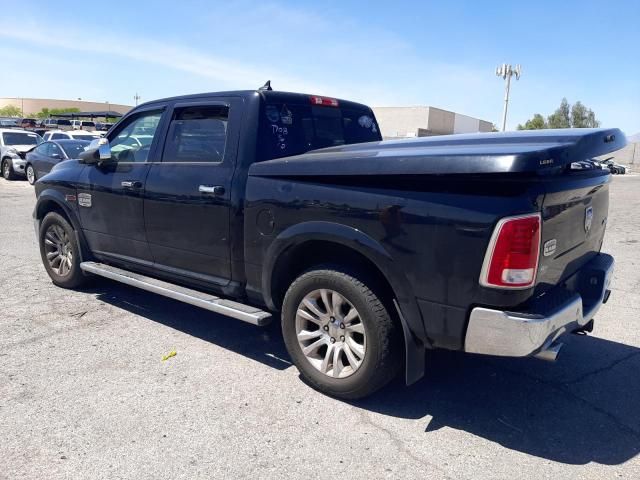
pixel 207 301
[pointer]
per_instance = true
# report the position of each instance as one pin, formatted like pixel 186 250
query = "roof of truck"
pixel 291 97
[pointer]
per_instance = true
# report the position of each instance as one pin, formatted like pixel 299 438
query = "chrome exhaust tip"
pixel 550 354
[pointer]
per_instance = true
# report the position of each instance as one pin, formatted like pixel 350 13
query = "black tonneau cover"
pixel 533 151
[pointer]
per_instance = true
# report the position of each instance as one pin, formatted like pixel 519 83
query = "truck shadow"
pixel 583 408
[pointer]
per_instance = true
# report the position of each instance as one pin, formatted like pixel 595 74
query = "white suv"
pixel 83 125
pixel 72 135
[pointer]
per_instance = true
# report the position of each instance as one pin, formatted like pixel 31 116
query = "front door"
pixel 111 195
pixel 188 194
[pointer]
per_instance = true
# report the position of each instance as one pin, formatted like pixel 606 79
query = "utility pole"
pixel 136 97
pixel 506 72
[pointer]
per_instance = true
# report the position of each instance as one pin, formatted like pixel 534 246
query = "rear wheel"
pixel 31 174
pixel 7 169
pixel 340 334
pixel 60 251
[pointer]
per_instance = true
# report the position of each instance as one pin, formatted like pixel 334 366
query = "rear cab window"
pixel 292 125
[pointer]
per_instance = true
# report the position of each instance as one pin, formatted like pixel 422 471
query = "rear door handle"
pixel 214 189
pixel 131 184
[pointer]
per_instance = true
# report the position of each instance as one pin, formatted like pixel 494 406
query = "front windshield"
pixel 21 138
pixel 74 149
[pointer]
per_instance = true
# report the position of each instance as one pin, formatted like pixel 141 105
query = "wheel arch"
pixel 54 201
pixel 312 243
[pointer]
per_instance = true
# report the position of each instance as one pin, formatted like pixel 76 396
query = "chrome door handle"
pixel 214 189
pixel 131 184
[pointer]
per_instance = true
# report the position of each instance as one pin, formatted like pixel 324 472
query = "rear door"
pixel 110 196
pixel 188 193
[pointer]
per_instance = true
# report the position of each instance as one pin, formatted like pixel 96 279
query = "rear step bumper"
pixel 209 302
pixel 520 334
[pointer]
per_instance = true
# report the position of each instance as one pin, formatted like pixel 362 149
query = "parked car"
pixel 57 123
pixel 26 122
pixel 40 160
pixel 614 168
pixel 72 135
pixel 103 126
pixel 255 202
pixel 83 125
pixel 14 145
pixel 8 122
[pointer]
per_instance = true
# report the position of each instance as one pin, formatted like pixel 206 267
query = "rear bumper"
pixel 566 308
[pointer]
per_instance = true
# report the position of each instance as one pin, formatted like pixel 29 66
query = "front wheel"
pixel 60 251
pixel 340 334
pixel 31 174
pixel 7 169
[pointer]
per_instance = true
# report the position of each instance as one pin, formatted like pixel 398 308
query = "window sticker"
pixel 286 116
pixel 281 135
pixel 365 121
pixel 272 113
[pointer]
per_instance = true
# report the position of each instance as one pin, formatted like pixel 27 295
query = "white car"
pixel 83 125
pixel 57 123
pixel 14 145
pixel 72 135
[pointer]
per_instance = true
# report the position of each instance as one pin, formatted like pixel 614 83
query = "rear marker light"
pixel 324 101
pixel 512 257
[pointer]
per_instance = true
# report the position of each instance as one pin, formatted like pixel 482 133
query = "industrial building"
pixel 31 106
pixel 424 121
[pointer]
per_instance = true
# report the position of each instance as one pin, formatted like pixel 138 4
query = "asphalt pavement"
pixel 85 394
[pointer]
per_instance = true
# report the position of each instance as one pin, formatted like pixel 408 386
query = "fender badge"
pixel 588 218
pixel 84 199
pixel 70 198
pixel 549 247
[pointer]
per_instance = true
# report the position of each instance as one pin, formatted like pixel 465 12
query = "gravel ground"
pixel 84 392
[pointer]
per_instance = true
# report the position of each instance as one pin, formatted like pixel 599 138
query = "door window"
pixel 59 136
pixel 54 151
pixel 42 149
pixel 197 134
pixel 133 141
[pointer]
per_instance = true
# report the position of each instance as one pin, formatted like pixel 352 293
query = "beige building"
pixel 424 121
pixel 31 106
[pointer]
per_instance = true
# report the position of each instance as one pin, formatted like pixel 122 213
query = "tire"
pixel 7 169
pixel 31 174
pixel 57 236
pixel 378 349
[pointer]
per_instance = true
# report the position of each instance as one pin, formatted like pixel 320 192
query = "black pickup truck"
pixel 253 203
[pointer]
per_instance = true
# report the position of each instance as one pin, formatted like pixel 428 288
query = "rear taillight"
pixel 511 260
pixel 324 101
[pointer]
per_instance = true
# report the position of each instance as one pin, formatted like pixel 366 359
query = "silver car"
pixel 14 145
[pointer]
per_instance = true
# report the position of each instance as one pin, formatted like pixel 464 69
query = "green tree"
pixel 47 112
pixel 561 118
pixel 536 123
pixel 583 117
pixel 10 111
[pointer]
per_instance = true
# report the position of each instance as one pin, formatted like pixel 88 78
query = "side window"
pixel 133 141
pixel 42 149
pixel 54 150
pixel 197 134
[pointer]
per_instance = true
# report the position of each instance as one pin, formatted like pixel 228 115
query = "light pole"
pixel 506 72
pixel 136 97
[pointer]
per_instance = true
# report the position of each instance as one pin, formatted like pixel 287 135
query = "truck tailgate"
pixel 574 218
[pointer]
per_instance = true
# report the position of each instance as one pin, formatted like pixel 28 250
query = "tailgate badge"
pixel 588 218
pixel 549 247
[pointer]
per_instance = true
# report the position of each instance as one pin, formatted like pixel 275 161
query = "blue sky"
pixel 381 53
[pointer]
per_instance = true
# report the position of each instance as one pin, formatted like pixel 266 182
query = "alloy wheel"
pixel 57 247
pixel 330 333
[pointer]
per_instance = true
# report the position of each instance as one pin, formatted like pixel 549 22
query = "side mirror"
pixel 98 151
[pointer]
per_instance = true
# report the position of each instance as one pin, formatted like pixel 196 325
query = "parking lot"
pixel 84 392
